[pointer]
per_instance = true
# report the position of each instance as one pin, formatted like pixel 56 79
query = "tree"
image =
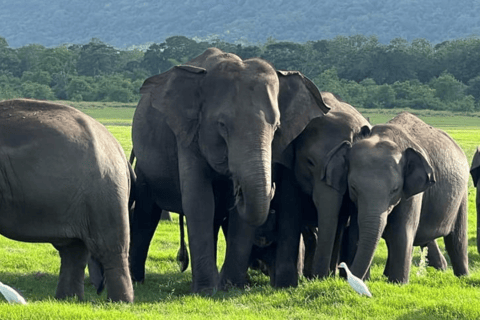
pixel 96 58
pixel 447 88
pixel 9 60
pixel 37 91
pixel 80 89
pixel 41 77
pixel 474 88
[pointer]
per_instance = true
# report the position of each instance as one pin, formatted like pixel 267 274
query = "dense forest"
pixel 360 69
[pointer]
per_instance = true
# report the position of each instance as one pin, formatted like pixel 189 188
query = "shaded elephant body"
pixel 202 134
pixel 64 179
pixel 475 172
pixel 305 198
pixel 409 182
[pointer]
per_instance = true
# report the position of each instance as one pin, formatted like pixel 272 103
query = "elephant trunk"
pixel 371 226
pixel 253 184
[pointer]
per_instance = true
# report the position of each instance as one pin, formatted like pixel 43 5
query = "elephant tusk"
pixel 11 294
pixel 357 284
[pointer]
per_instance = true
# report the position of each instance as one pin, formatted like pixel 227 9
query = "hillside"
pixel 124 23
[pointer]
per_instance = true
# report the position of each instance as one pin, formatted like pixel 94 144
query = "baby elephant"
pixel 475 172
pixel 409 182
pixel 65 180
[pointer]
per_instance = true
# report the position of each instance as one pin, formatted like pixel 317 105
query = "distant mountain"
pixel 123 23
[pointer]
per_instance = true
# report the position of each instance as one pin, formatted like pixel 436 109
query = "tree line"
pixel 359 69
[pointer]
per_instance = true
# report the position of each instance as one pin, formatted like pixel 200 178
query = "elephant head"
pixel 229 110
pixel 382 170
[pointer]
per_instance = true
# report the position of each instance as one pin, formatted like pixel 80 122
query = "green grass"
pixel 33 269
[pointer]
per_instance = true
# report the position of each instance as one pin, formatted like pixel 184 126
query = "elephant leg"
pixel 435 256
pixel 309 235
pixel 240 239
pixel 198 203
pixel 456 242
pixel 109 246
pixel 399 258
pixel 224 200
pixel 73 260
pixel 288 206
pixel 117 275
pixel 399 236
pixel 143 223
pixel 328 203
pixel 337 247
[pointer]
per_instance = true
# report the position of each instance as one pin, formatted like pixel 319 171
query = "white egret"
pixel 356 283
pixel 11 294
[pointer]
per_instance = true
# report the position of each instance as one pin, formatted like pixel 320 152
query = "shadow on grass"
pixel 33 286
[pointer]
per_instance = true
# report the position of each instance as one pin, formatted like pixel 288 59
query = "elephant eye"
pixel 310 162
pixel 395 190
pixel 222 127
pixel 353 189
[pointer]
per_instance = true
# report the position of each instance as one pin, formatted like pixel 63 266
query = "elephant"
pixel 475 172
pixel 204 134
pixel 408 181
pixel 65 180
pixel 305 197
pixel 263 253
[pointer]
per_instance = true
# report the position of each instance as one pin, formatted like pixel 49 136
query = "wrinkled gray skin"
pixel 304 186
pixel 409 183
pixel 202 134
pixel 263 253
pixel 64 179
pixel 475 172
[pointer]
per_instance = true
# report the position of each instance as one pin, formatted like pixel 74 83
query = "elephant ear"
pixel 299 102
pixel 335 170
pixel 475 169
pixel 418 173
pixel 176 94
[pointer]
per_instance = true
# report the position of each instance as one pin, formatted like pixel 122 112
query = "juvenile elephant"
pixel 306 197
pixel 202 134
pixel 65 180
pixel 409 183
pixel 475 172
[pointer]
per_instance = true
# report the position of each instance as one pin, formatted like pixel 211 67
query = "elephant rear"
pixel 65 180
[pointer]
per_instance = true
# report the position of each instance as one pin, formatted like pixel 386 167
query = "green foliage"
pixel 81 88
pixel 37 91
pixel 359 69
pixel 96 58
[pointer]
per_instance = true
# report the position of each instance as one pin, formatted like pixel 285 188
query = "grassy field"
pixel 33 269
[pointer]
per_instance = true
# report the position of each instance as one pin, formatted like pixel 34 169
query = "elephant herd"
pixel 238 145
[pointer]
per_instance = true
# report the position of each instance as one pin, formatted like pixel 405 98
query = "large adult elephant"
pixel 475 172
pixel 202 134
pixel 65 180
pixel 307 196
pixel 409 183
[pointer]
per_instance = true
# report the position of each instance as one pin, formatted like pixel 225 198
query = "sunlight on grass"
pixel 431 294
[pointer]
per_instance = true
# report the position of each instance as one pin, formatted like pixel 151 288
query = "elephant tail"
pixel 182 255
pixel 132 157
pixel 97 276
pixel 133 179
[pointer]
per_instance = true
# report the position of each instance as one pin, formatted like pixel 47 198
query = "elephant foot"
pixel 285 277
pixel 206 285
pixel 398 280
pixel 204 290
pixel 228 282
